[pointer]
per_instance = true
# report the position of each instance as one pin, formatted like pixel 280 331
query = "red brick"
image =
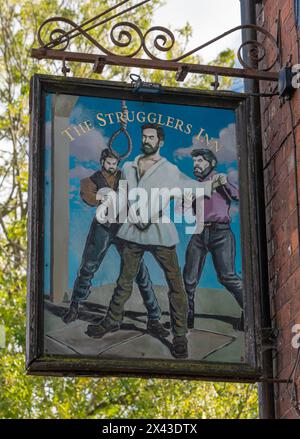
pixel 290 414
pixel 286 10
pixel 281 202
pixel 295 313
pixel 284 316
pixel 295 239
pixel 284 401
pixel 295 304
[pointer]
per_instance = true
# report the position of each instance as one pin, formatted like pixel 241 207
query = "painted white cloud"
pixel 227 140
pixel 227 146
pixel 89 146
pixel 180 153
pixel 80 172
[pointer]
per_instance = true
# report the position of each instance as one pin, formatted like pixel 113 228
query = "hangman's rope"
pixel 123 129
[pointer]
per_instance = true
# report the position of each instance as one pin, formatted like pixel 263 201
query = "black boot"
pixel 154 327
pixel 72 313
pixel 105 326
pixel 180 347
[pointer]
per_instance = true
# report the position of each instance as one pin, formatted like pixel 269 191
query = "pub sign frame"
pixel 42 362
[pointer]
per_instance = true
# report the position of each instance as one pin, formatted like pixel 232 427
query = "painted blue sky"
pixel 84 160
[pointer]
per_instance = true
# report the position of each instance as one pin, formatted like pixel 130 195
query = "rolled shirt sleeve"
pixel 88 192
pixel 231 191
pixel 184 182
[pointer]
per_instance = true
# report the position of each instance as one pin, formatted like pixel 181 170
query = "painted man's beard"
pixel 149 149
pixel 111 171
pixel 202 174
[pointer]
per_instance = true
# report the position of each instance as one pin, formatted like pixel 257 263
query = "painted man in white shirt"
pixel 150 170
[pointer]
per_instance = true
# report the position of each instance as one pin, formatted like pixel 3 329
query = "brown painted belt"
pixel 215 224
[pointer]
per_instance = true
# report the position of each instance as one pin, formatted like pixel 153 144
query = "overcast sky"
pixel 208 18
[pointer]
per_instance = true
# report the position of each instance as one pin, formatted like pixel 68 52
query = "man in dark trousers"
pixel 216 237
pixel 99 240
pixel 153 232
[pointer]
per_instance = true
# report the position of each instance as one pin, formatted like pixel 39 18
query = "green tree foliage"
pixel 23 396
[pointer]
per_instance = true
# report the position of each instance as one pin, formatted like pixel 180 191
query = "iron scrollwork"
pixel 156 42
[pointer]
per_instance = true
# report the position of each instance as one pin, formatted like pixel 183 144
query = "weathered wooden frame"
pixel 39 364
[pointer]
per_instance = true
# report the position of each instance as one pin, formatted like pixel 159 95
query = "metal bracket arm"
pixel 122 61
pixel 56 33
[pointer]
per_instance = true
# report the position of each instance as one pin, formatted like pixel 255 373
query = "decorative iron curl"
pixel 256 54
pixel 253 53
pixel 126 36
pixel 59 38
pixel 163 42
pixel 160 41
pixel 257 51
pixel 63 35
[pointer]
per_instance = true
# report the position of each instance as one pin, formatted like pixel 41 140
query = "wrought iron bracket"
pixel 99 65
pixel 182 73
pixel 141 86
pixel 216 83
pixel 151 46
pixel 65 69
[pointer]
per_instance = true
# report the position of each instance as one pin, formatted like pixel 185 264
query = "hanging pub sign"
pixel 143 240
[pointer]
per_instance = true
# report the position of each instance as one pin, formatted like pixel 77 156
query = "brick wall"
pixel 280 196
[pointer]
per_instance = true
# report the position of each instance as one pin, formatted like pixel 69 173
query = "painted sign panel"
pixel 142 250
